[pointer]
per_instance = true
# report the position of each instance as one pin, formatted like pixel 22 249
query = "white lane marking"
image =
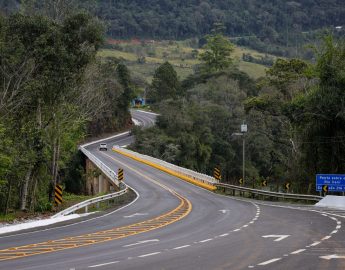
pixel 103 264
pixel 142 242
pixel 206 240
pixel 236 230
pixel 315 244
pixel 298 251
pixel 324 215
pixel 270 261
pixel 245 226
pixel 182 247
pixel 251 222
pixel 332 256
pixel 136 214
pixel 338 222
pixel 286 255
pixel 326 237
pixel 251 266
pixel 278 236
pixel 335 231
pixel 149 254
pixel 223 235
pixel 224 211
pixel 338 227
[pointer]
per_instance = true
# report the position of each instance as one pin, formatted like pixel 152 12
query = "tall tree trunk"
pixel 8 198
pixel 25 188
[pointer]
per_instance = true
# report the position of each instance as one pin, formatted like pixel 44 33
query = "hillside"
pixel 280 27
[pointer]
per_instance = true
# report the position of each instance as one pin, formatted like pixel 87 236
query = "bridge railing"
pixel 204 178
pixel 111 175
pixel 104 168
pixel 270 193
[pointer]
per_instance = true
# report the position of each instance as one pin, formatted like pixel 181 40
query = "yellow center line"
pixel 181 211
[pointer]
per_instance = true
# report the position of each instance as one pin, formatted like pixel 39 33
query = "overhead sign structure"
pixel 217 174
pixel 330 182
pixel 120 175
pixel 58 195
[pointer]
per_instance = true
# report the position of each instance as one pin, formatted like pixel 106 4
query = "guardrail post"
pixel 86 208
pixel 97 205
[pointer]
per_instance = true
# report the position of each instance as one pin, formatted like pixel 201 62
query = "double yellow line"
pixel 182 210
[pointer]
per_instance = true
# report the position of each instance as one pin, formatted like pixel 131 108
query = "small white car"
pixel 103 146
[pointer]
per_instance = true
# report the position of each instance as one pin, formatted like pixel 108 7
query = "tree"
pixel 217 55
pixel 165 84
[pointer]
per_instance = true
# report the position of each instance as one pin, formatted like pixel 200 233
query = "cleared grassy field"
pixel 182 57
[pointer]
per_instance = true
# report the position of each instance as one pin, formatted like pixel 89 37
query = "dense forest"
pixel 54 93
pixel 295 116
pixel 280 27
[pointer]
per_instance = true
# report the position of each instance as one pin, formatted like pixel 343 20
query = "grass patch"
pixel 179 54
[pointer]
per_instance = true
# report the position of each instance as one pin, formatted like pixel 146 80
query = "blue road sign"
pixel 334 182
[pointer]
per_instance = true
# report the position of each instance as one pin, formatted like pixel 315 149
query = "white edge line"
pixel 298 251
pixel 269 261
pixel 182 247
pixel 147 255
pixel 103 264
pixel 104 139
pixel 206 240
pixel 315 244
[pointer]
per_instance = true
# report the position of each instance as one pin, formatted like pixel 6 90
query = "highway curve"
pixel 208 231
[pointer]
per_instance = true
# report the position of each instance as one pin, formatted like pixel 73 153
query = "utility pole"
pixel 244 130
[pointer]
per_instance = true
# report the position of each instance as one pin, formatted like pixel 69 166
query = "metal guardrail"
pixel 271 193
pixel 204 178
pixel 104 168
pixel 86 203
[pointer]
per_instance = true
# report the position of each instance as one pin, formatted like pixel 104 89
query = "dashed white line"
pixel 206 240
pixel 335 231
pixel 270 261
pixel 326 237
pixel 251 266
pixel 182 247
pixel 223 235
pixel 103 264
pixel 315 244
pixel 298 251
pixel 149 254
pixel 339 222
pixel 245 226
pixel 236 230
pixel 338 227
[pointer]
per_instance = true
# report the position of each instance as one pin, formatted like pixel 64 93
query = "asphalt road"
pixel 217 232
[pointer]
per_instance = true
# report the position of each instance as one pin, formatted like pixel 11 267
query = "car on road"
pixel 103 146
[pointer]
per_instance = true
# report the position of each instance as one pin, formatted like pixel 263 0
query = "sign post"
pixel 58 195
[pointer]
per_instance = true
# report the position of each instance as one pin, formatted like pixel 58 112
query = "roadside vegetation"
pixel 295 117
pixel 54 93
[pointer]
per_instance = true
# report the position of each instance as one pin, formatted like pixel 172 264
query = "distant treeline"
pixel 280 22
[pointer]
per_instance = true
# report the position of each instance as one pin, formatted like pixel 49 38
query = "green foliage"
pixel 217 55
pixel 47 101
pixel 165 83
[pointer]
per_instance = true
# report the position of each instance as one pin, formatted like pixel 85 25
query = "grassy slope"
pixel 178 54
